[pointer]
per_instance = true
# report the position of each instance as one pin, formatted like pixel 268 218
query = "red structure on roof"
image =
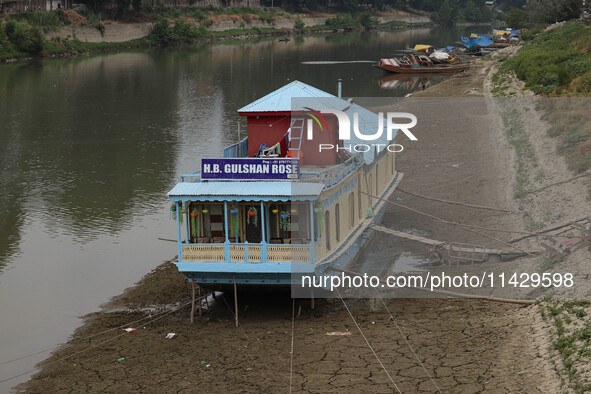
pixel 269 118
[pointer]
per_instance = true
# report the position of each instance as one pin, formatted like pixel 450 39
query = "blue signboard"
pixel 277 169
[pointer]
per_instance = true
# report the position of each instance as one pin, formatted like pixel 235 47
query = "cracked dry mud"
pixel 464 345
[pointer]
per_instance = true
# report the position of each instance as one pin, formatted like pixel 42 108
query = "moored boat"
pixel 422 64
pixel 277 205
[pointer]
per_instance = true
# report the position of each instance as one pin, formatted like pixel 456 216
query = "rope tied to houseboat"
pixel 93 346
pixel 453 223
pixel 393 320
pixel 366 341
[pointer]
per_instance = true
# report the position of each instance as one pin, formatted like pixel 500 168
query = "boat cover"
pixel 440 55
pixel 390 62
pixel 422 48
pixel 482 41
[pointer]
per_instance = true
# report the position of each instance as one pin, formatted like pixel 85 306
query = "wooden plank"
pixel 411 237
pixel 427 241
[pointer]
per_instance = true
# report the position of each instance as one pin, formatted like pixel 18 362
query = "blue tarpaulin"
pixel 480 41
pixel 449 49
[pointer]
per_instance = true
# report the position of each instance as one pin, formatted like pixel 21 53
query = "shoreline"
pixel 91 41
pixel 215 356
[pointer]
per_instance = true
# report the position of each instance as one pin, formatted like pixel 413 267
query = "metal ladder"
pixel 297 133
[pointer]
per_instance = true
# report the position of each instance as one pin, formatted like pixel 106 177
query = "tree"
pixel 550 11
pixel 446 14
pixel 471 12
pixel 516 19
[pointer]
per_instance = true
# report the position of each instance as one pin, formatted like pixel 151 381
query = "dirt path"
pixel 464 345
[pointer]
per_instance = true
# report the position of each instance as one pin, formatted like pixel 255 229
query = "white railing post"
pixel 312 255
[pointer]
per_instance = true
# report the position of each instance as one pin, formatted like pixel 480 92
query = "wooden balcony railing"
pixel 252 253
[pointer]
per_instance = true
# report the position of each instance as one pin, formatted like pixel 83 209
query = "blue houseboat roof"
pixel 280 99
pixel 246 191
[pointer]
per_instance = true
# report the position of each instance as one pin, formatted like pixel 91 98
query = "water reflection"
pixel 89 140
pixel 407 82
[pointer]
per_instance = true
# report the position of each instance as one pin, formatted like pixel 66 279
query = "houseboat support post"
pixel 193 300
pixel 235 302
pixel 199 297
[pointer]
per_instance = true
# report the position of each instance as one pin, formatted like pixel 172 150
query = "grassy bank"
pixel 556 62
pixel 572 341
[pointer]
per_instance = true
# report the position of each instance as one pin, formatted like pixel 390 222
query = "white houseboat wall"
pixel 272 232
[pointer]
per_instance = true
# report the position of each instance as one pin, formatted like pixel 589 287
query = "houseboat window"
pixel 206 223
pixel 252 220
pixel 338 222
pixel 289 223
pixel 351 210
pixel 359 197
pixel 327 226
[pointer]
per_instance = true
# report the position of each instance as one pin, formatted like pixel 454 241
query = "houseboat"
pixel 279 204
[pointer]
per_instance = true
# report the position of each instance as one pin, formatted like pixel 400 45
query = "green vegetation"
pixel 21 36
pixel 526 159
pixel 449 12
pixel 346 22
pixel 571 124
pixel 573 340
pixel 256 31
pixel 19 39
pixel 516 18
pixel 554 59
pixel 349 22
pixel 47 20
pixel 181 33
pixel 299 24
pixel 66 46
pixel 550 11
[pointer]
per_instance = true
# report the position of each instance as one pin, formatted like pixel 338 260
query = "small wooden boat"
pixel 419 64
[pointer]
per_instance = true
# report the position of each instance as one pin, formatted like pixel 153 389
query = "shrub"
pixel 346 22
pixel 18 34
pixel 367 21
pixel 299 24
pixel 161 32
pixel 549 60
pixel 37 41
pixel 181 32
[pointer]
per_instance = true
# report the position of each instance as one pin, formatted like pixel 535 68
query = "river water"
pixel 90 146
